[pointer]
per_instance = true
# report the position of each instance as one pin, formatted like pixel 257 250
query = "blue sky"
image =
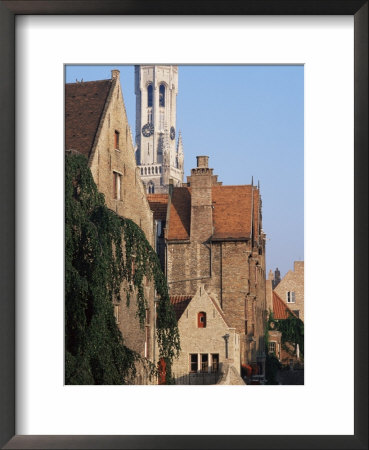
pixel 249 120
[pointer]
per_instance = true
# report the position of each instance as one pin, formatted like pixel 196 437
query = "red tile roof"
pixel 158 204
pixel 84 105
pixel 231 214
pixel 180 214
pixel 180 303
pixel 280 309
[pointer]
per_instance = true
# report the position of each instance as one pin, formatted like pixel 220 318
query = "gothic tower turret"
pixel 156 89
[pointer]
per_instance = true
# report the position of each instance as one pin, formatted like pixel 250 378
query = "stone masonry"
pixel 102 133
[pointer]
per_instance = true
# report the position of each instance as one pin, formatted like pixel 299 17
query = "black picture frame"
pixel 8 11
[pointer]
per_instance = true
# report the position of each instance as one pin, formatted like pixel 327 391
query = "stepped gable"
pixel 84 106
pixel 280 309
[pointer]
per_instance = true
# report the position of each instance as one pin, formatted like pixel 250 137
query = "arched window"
pixel 142 171
pixel 145 171
pixel 201 320
pixel 162 95
pixel 151 188
pixel 149 96
pixel 156 169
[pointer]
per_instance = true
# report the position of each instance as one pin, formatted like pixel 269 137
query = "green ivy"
pixel 292 330
pixel 101 251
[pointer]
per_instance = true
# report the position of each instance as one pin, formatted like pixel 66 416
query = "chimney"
pixel 202 161
pixel 115 74
pixel 201 182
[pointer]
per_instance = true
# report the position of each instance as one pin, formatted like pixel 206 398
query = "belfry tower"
pixel 157 155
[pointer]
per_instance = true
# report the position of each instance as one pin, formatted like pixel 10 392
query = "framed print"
pixel 38 41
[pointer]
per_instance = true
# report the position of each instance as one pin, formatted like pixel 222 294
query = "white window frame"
pixel 290 297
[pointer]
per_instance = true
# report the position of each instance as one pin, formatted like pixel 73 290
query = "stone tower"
pixel 157 155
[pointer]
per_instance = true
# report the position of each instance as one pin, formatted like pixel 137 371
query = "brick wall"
pixel 293 281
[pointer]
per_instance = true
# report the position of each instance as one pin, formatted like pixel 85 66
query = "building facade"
pixel 159 154
pixel 96 126
pixel 208 343
pixel 213 236
pixel 291 289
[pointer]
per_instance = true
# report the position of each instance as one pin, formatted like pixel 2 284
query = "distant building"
pixel 96 126
pixel 291 289
pixel 158 156
pixel 277 278
pixel 213 237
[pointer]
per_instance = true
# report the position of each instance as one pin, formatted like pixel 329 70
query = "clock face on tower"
pixel 148 129
pixel 172 133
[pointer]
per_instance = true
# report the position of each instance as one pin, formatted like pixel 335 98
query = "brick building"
pixel 281 311
pixel 96 126
pixel 291 289
pixel 208 343
pixel 212 234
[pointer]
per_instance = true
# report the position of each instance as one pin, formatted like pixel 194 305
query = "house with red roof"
pixel 211 235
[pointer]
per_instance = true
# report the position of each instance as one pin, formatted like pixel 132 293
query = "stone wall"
pixel 208 340
pixel 112 156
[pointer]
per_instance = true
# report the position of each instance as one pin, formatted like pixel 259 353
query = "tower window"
pixel 116 140
pixel 162 95
pixel 201 320
pixel 149 95
pixel 151 188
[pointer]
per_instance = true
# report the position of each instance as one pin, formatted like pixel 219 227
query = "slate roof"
pixel 158 204
pixel 280 309
pixel 84 106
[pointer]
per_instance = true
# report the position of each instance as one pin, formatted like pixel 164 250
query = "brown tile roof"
pixel 231 213
pixel 158 203
pixel 180 303
pixel 180 214
pixel 84 105
pixel 280 309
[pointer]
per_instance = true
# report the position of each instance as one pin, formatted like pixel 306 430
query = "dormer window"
pixel 201 320
pixel 162 95
pixel 149 96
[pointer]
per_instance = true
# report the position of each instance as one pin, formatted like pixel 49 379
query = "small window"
pixel 116 313
pixel 149 95
pixel 297 312
pixel 151 188
pixel 117 185
pixel 201 320
pixel 272 348
pixel 162 95
pixel 290 297
pixel 204 362
pixel 193 363
pixel 214 362
pixel 116 140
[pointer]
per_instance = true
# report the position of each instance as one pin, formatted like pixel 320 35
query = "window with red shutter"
pixel 201 320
